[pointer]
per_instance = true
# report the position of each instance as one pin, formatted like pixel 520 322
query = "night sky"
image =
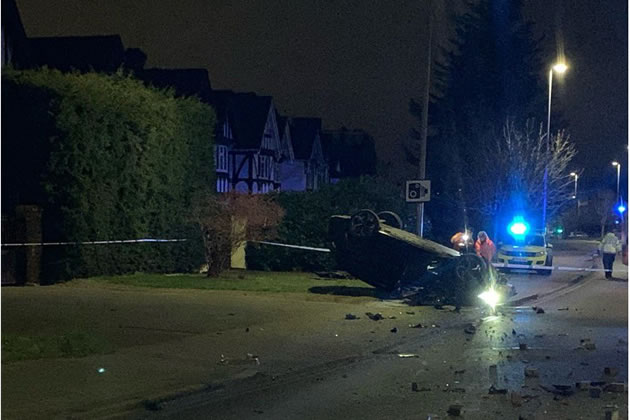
pixel 357 63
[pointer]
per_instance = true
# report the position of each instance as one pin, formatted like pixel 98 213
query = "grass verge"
pixel 254 281
pixel 74 344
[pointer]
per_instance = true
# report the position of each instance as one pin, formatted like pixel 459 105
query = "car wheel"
pixel 548 263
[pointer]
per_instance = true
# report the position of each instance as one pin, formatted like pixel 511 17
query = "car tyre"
pixel 548 263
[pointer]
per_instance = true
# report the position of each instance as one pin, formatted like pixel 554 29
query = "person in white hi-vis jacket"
pixel 608 247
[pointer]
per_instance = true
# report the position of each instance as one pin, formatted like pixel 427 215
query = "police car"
pixel 525 249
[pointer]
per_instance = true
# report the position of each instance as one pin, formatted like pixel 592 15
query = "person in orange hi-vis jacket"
pixel 484 247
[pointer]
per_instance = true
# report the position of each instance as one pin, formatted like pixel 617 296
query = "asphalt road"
pixel 582 331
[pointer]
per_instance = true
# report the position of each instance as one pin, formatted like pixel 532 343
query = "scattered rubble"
pixel 494 390
pixel 583 385
pixel 394 330
pixel 611 371
pixel 374 317
pixel 455 410
pixel 414 386
pixel 351 316
pixel 516 399
pixel 408 355
pixel 540 310
pixel 617 387
pixel 419 325
pixel 470 329
pixel 563 309
pixel 611 412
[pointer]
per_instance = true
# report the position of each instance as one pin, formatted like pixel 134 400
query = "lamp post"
pixel 618 165
pixel 577 202
pixel 558 68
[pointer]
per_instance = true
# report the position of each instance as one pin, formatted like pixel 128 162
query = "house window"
pixel 222 185
pixel 221 158
pixel 263 167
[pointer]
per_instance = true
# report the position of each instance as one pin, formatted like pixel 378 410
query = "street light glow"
pixel 615 163
pixel 560 67
pixel 573 174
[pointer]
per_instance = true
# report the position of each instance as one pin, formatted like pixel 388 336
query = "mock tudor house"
pixel 349 153
pixel 307 148
pixel 249 126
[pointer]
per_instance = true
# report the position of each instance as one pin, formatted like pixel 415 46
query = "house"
pixel 349 153
pixel 101 53
pixel 250 133
pixel 292 171
pixel 15 49
pixel 307 148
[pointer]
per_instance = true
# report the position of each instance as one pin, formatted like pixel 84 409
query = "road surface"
pixel 582 331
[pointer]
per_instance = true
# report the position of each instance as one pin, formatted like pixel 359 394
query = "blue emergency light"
pixel 518 227
pixel 621 209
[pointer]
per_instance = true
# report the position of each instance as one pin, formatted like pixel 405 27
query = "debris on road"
pixel 410 313
pixel 414 386
pixel 611 413
pixel 583 385
pixel 563 309
pixel 611 371
pixel 351 316
pixel 513 331
pixel 494 390
pixel 407 356
pixel 493 374
pixel 419 325
pixel 563 391
pixel 460 371
pixel 374 317
pixel 516 399
pixel 470 329
pixel 617 387
pixel 455 410
pixel 391 317
pixel 522 346
pixel 539 310
pixel 531 372
pixel 394 330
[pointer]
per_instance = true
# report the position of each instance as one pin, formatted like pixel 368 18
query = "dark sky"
pixel 357 62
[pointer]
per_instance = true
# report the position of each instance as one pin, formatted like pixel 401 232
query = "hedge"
pixel 306 221
pixel 106 158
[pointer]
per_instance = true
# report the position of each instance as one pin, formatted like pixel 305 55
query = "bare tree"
pixel 511 166
pixel 227 220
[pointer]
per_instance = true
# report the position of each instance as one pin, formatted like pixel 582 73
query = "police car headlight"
pixel 540 254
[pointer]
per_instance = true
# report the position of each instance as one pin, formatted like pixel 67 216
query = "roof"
pixel 282 124
pixel 103 53
pixel 14 33
pixel 186 82
pixel 248 114
pixel 349 153
pixel 303 133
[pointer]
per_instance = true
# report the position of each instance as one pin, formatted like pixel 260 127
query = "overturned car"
pixel 374 248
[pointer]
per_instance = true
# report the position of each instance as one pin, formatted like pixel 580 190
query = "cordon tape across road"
pixel 308 248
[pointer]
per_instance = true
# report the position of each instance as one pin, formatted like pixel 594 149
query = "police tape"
pixel 308 248
pixel 123 241
pixel 545 268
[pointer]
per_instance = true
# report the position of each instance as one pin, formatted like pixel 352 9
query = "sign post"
pixel 419 191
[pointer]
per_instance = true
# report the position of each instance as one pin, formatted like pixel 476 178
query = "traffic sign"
pixel 418 191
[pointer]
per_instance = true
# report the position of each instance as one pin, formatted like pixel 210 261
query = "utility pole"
pixel 422 166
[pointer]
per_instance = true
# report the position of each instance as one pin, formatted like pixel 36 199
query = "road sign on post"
pixel 418 191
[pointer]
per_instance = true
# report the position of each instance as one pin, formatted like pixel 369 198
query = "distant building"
pixel 349 153
pixel 307 148
pixel 15 48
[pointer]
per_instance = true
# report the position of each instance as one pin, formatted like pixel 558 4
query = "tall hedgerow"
pixel 115 159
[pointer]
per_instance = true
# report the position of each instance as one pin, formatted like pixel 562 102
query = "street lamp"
pixel 618 165
pixel 559 68
pixel 573 174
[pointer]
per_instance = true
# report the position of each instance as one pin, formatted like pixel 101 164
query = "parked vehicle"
pixel 529 251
